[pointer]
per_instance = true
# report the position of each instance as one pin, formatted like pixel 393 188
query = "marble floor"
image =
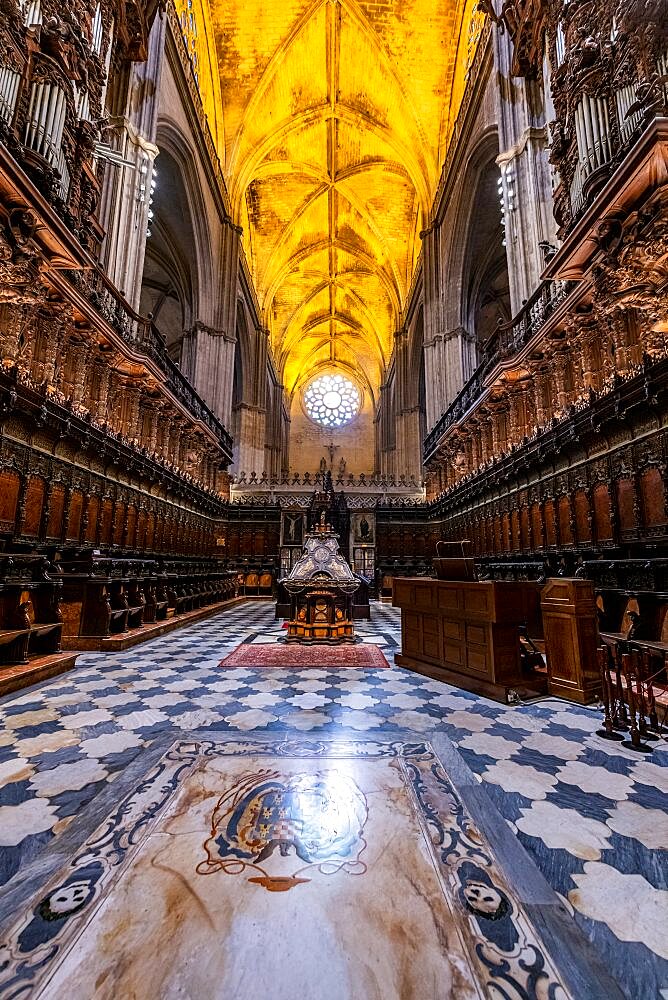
pixel 590 818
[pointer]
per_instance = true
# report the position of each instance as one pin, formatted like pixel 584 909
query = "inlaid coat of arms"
pixel 281 826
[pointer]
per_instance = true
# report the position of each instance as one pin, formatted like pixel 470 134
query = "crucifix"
pixel 331 448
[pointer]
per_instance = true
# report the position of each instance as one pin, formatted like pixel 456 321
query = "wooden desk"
pixel 467 633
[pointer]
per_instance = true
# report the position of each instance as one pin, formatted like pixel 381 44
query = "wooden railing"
pixel 504 343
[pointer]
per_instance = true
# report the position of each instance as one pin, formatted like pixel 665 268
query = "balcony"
pixel 505 343
pixel 138 333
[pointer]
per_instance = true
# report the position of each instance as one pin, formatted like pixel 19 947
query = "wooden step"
pixel 39 668
pixel 149 630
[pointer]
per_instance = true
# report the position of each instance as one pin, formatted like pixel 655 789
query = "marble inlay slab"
pixel 288 869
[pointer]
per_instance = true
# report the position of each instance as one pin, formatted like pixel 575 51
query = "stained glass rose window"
pixel 332 400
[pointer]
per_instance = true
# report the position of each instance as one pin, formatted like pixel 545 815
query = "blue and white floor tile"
pixel 593 815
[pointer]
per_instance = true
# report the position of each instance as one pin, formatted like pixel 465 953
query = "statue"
pixel 342 465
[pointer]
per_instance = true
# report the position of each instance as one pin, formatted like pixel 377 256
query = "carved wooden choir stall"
pixel 31 623
pixel 111 602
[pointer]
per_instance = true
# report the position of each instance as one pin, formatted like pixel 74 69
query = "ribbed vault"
pixel 335 117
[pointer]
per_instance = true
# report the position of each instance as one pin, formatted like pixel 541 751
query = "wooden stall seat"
pixel 30 621
pixel 116 598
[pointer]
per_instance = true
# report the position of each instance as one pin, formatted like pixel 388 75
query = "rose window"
pixel 332 400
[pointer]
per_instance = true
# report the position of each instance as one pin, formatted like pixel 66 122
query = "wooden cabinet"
pixel 569 622
pixel 467 633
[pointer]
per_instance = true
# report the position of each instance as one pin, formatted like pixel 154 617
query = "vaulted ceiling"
pixel 335 117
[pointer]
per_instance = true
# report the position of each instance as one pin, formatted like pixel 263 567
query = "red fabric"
pixel 302 656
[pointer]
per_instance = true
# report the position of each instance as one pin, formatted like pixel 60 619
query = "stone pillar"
pixel 433 344
pixel 525 172
pixel 457 362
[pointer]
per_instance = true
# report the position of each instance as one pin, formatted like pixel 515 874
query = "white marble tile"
pixel 196 718
pixel 566 829
pixel 357 700
pixel 305 720
pixel 141 718
pixel 360 721
pixel 496 747
pixel 80 720
pixel 649 826
pixel 227 683
pixel 470 721
pixel 585 723
pixel 162 700
pixel 404 701
pixel 302 685
pixel 306 700
pixel 598 780
pixel 252 718
pixel 522 720
pixel 100 746
pixel 15 769
pixel 33 746
pixel 30 718
pixel 554 746
pixel 262 699
pixel 67 777
pixel 514 777
pixel 610 748
pixel 648 773
pixel 630 905
pixel 450 702
pixel 420 722
pixel 19 821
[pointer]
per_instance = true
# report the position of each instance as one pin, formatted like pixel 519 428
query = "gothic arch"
pixel 477 267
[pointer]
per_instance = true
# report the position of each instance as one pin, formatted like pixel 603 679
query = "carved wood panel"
pixel 74 516
pixel 550 523
pixel 34 503
pixel 653 498
pixel 9 495
pixel 93 516
pixel 105 522
pixel 582 525
pixel 625 503
pixel 56 511
pixel 602 519
pixel 565 532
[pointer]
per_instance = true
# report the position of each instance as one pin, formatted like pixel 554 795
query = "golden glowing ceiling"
pixel 335 115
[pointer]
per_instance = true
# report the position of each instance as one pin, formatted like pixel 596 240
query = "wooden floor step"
pixel 125 640
pixel 39 668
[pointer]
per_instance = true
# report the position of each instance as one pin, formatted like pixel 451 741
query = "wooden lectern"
pixel 467 633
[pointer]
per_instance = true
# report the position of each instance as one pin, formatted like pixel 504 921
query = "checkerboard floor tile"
pixel 594 815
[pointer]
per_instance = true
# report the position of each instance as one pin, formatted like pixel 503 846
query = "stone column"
pixel 457 363
pixel 433 332
pixel 525 171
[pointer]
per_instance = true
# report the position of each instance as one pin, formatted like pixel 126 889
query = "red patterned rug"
pixel 288 655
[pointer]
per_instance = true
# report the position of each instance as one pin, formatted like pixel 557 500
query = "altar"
pixel 321 585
